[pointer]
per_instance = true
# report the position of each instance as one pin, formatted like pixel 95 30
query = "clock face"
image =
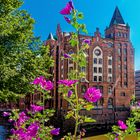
pixel 97 52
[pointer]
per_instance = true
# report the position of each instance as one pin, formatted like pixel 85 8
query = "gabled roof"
pixel 117 18
pixel 50 36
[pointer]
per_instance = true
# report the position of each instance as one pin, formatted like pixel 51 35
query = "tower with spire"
pixel 123 57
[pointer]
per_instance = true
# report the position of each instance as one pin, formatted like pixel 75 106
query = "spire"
pixel 50 36
pixel 117 18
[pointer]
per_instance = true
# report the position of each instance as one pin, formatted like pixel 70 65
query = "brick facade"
pixel 113 73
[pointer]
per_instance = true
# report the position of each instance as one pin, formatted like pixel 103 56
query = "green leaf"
pixel 80 15
pixel 89 120
pixel 89 107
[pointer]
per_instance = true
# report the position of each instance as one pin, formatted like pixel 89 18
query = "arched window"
pixel 70 52
pixel 110 103
pixel 110 44
pixel 97 64
pixel 119 45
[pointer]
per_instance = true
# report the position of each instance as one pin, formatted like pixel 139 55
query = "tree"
pixel 22 56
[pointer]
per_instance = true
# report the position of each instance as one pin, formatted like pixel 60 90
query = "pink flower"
pixel 10 120
pixel 33 129
pixel 67 9
pixel 87 41
pixel 6 114
pixel 69 93
pixel 92 94
pixel 46 85
pixel 67 55
pixel 38 80
pixel 36 108
pixel 26 134
pixel 55 131
pixel 21 120
pixel 67 19
pixel 68 83
pixel 122 125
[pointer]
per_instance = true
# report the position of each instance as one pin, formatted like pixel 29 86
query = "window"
pixel 99 87
pixel 110 103
pixel 125 67
pixel 95 60
pixel 100 70
pixel 125 35
pixel 95 69
pixel 110 45
pixel 119 59
pixel 100 61
pixel 125 84
pixel 122 94
pixel 111 35
pixel 100 78
pixel 95 78
pixel 61 75
pixel 119 67
pixel 70 69
pixel 125 51
pixel 125 75
pixel 119 34
pixel 97 52
pixel 125 59
pixel 101 102
pixel 109 62
pixel 109 90
pixel 109 70
pixel 83 69
pixel 119 44
pixel 70 52
pixel 119 51
pixel 83 89
pixel 109 79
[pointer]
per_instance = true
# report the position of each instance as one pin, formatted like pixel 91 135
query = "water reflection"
pixel 2 133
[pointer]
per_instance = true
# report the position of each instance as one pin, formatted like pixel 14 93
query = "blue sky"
pixel 97 13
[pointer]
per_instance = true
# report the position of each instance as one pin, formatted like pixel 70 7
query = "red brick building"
pixel 110 67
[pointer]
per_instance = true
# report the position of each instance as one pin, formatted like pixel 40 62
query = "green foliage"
pixel 22 56
pixel 130 122
pixel 77 104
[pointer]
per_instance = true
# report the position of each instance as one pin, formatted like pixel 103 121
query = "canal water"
pixel 5 127
pixel 3 132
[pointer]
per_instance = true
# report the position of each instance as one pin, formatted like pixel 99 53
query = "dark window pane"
pixel 95 78
pixel 100 70
pixel 100 78
pixel 100 61
pixel 95 69
pixel 109 62
pixel 95 60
